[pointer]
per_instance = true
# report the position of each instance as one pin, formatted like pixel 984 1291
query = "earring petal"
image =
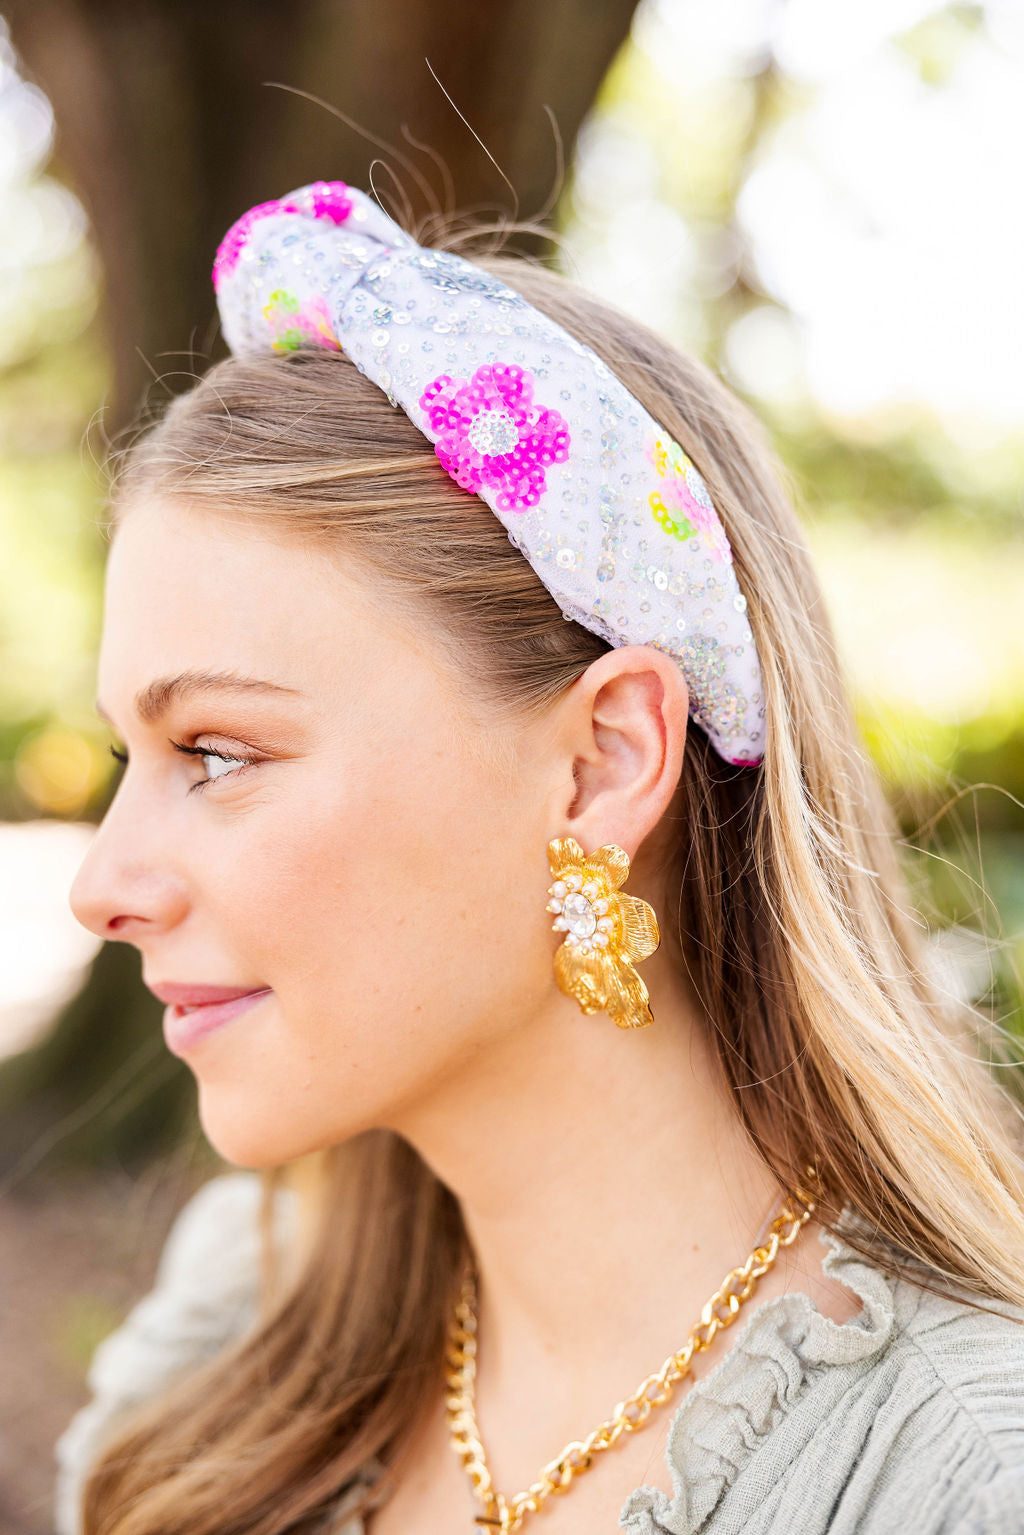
pixel 628 1000
pixel 583 977
pixel 601 974
pixel 611 862
pixel 564 853
pixel 640 932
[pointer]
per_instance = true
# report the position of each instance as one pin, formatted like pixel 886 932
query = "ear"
pixel 621 733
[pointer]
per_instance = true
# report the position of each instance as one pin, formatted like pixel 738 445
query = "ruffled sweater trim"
pixel 724 1417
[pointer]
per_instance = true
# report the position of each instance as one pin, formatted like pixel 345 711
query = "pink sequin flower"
pixel 329 200
pixel 681 504
pixel 490 433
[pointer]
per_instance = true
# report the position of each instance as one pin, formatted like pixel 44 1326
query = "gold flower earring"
pixel 606 932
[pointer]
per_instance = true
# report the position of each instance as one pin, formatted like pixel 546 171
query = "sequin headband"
pixel 606 507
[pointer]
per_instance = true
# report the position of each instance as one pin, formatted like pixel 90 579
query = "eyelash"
pixel 197 751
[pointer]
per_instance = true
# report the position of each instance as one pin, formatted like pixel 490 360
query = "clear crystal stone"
pixel 494 432
pixel 579 914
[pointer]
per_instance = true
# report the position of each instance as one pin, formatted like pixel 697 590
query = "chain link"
pixel 507 1514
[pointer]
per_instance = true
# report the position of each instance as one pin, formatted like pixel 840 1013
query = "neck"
pixel 607 1186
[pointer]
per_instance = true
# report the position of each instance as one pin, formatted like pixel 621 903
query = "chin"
pixel 263 1134
pixel 250 1140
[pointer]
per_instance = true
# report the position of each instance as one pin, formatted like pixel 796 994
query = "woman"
pixel 371 765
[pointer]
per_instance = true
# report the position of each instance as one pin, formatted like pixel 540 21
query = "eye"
pixel 217 765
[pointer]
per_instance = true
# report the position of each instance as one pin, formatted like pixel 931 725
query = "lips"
pixel 193 1012
pixel 186 997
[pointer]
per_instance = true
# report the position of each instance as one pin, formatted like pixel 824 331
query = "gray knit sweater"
pixel 906 1420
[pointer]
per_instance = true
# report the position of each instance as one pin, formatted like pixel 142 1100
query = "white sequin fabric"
pixel 607 508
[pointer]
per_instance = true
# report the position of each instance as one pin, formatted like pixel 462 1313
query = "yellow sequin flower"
pixel 606 931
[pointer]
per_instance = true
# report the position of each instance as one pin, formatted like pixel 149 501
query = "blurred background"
pixel 819 197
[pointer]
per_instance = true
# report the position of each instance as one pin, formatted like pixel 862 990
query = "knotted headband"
pixel 606 507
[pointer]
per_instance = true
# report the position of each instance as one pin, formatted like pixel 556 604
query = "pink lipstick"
pixel 195 1011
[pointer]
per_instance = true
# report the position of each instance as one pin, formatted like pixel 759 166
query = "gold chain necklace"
pixel 507 1514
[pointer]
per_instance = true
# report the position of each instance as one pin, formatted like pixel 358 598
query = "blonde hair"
pixel 787 904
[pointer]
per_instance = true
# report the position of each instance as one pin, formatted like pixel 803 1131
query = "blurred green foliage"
pixel 913 513
pixel 51 511
pixel 79 1326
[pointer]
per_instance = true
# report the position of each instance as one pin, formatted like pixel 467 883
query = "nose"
pixel 128 886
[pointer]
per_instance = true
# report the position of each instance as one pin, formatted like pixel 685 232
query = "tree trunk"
pixel 168 131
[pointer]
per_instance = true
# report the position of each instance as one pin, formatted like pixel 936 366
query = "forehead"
pixel 188 590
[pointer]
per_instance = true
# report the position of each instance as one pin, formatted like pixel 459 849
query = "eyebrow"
pixel 153 701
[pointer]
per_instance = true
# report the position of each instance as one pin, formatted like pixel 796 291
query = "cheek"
pixel 399 918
